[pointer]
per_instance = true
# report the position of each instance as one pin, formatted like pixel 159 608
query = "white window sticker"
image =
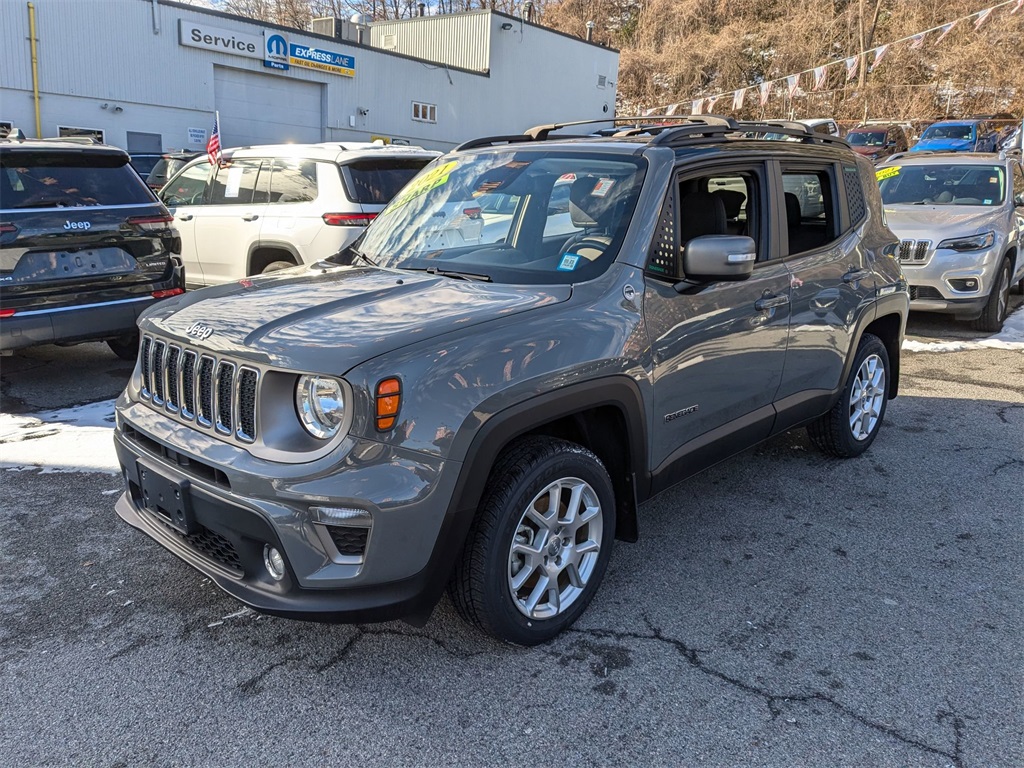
pixel 603 187
pixel 234 181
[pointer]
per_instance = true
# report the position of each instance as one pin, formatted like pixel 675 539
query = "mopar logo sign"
pixel 275 53
pixel 199 331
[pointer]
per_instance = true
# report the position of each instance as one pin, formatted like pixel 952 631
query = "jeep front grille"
pixel 914 251
pixel 211 392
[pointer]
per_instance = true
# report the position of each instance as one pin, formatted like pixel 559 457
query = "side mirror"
pixel 719 257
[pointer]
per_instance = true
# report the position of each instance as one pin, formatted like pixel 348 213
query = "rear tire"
pixel 528 571
pixel 994 313
pixel 125 347
pixel 853 423
pixel 276 266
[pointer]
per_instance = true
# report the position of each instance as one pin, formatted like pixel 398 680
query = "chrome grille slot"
pixel 225 391
pixel 188 384
pixel 173 378
pixel 159 353
pixel 208 389
pixel 914 251
pixel 147 344
pixel 204 410
pixel 248 379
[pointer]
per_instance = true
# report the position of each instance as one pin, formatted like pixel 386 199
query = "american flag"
pixel 213 145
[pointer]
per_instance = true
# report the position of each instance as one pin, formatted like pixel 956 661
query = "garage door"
pixel 266 109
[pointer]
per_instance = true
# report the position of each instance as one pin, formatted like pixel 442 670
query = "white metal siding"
pixel 265 109
pixel 96 52
pixel 460 40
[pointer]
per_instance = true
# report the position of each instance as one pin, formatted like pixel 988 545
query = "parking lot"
pixel 781 608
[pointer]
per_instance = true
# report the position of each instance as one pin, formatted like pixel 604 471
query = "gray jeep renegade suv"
pixel 481 390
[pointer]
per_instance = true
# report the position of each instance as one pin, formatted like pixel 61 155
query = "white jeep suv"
pixel 269 207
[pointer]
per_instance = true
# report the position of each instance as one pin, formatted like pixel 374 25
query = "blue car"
pixel 957 136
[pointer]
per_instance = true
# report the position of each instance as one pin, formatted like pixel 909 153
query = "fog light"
pixel 964 284
pixel 274 562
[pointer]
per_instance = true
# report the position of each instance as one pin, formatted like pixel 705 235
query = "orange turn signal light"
pixel 389 401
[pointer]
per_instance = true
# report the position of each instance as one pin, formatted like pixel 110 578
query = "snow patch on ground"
pixel 1011 337
pixel 79 439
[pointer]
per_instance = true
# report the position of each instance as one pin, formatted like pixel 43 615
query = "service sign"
pixel 215 39
pixel 325 61
pixel 197 136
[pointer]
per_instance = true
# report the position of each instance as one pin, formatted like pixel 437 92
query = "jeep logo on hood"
pixel 199 331
pixel 77 225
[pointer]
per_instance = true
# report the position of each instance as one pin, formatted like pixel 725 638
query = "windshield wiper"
pixel 432 270
pixel 348 256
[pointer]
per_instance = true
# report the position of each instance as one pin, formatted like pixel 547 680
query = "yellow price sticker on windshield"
pixel 887 173
pixel 423 184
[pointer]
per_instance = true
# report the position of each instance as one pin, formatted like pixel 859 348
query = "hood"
pixel 939 222
pixel 944 145
pixel 868 151
pixel 327 318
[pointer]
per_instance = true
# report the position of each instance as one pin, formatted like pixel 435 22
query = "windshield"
pixel 531 216
pixel 865 138
pixel 964 132
pixel 942 184
pixel 68 180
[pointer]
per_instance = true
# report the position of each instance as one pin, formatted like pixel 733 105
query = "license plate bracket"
pixel 167 498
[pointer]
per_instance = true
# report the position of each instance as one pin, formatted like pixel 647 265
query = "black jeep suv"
pixel 536 334
pixel 85 246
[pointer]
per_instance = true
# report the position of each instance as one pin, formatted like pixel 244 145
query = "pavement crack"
pixel 253 685
pixel 773 701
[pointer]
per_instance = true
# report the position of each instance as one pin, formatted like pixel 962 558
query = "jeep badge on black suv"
pixel 85 246
pixel 536 335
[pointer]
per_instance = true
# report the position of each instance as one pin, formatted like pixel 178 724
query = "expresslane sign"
pixel 325 61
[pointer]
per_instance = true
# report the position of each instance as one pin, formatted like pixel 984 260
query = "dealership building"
pixel 148 75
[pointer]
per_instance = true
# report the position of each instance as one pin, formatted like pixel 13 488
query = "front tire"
pixel 853 423
pixel 540 543
pixel 276 266
pixel 125 347
pixel 994 313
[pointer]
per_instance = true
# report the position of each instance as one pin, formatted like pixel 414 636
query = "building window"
pixel 91 133
pixel 424 113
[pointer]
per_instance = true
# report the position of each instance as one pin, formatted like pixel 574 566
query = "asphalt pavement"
pixel 781 609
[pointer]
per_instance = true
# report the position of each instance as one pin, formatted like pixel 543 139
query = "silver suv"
pixel 537 334
pixel 960 220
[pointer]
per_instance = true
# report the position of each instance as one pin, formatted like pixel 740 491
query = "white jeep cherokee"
pixel 274 206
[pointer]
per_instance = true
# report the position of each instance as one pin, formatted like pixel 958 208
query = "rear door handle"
pixel 250 217
pixel 770 302
pixel 185 217
pixel 856 274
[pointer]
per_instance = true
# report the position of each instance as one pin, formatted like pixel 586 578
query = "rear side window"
pixel 811 219
pixel 377 181
pixel 69 180
pixel 293 181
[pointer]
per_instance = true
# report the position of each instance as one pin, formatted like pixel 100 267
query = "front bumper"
pixel 240 504
pixel 933 285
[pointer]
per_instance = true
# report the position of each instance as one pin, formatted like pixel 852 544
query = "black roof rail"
pixel 684 130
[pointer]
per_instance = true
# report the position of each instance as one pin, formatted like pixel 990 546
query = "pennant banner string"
pixel 853 62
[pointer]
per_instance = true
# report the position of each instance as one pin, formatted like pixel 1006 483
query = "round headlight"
pixel 320 401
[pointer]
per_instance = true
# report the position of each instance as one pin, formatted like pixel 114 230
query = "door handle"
pixel 185 217
pixel 770 302
pixel 250 217
pixel 856 274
